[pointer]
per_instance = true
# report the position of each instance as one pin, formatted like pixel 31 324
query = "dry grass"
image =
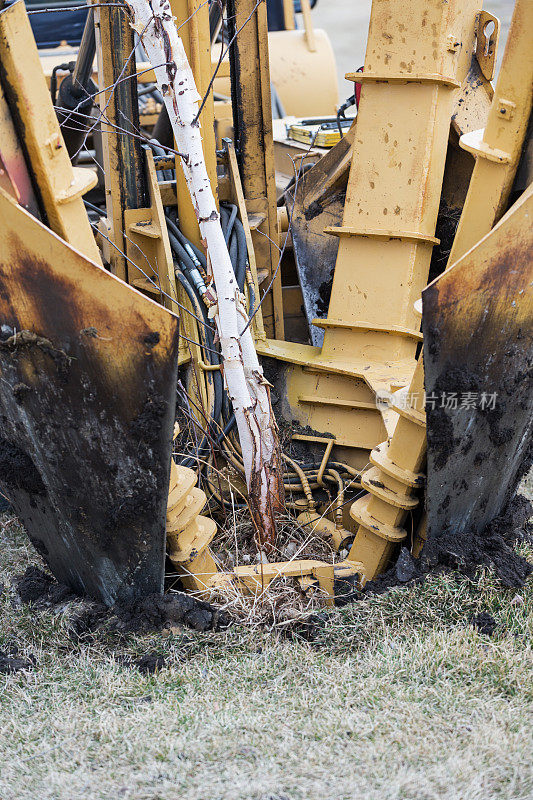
pixel 398 698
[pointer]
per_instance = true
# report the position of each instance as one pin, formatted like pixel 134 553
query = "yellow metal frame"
pixel 498 146
pixel 250 63
pixel 61 185
pixel 192 18
pixel 396 473
pixel 388 230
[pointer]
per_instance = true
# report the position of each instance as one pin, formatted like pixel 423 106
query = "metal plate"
pixel 478 357
pixel 87 401
pixel 319 203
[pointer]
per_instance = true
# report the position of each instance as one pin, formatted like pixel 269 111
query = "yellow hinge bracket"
pixel 487 35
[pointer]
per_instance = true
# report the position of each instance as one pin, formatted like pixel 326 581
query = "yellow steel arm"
pixel 498 147
pixel 60 185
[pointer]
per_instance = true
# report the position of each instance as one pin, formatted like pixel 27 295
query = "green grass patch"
pixel 398 697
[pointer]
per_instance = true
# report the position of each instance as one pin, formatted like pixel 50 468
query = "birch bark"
pixel 243 375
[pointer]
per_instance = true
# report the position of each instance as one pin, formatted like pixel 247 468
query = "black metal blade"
pixel 478 358
pixel 87 404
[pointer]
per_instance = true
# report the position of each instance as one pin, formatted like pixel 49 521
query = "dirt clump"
pixel 484 623
pixel 18 471
pixel 87 621
pixel 492 547
pixel 11 662
pixel 407 570
pixel 37 588
pixel 324 295
pixel 147 425
pixel 156 612
pixel 152 613
pixel 309 628
pixel 149 663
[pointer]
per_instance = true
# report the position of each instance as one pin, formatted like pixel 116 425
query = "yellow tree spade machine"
pixel 212 305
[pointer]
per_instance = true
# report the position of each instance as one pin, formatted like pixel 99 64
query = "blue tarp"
pixel 52 29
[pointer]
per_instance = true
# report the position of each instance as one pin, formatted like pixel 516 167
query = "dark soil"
pixel 18 471
pixel 151 339
pixel 147 425
pixel 484 623
pixel 152 613
pixel 308 629
pixel 447 222
pixel 407 570
pixel 143 495
pixel 493 547
pixel 38 588
pixel 142 498
pixel 324 295
pixel 149 663
pixel 440 431
pixel 156 612
pixel 11 662
pixel 307 454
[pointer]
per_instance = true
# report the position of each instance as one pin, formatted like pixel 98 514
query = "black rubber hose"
pixel 210 356
pixel 224 219
pixel 162 130
pixel 183 239
pixel 233 250
pixel 168 174
pixel 181 253
pixel 236 241
pixel 203 447
pixel 240 269
pixel 100 211
pixel 251 292
pixel 231 221
pixel 238 254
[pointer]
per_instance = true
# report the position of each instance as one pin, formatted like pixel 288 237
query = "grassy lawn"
pixel 398 697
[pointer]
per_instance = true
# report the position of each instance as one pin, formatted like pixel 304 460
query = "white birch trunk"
pixel 243 375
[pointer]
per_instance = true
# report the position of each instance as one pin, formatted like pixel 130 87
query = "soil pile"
pixel 152 613
pixel 493 547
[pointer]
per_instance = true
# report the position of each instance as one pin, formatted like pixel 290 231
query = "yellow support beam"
pixel 254 143
pixel 123 159
pixel 414 67
pixel 60 185
pixel 498 146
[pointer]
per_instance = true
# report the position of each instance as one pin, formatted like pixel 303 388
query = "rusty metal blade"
pixel 478 356
pixel 87 403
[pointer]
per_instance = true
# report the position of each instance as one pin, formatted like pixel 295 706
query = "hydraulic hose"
pixel 76 92
pixel 189 263
pixel 231 221
pixel 185 242
pixel 242 258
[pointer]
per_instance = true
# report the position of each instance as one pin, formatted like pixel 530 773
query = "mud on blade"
pixel 87 386
pixel 478 357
